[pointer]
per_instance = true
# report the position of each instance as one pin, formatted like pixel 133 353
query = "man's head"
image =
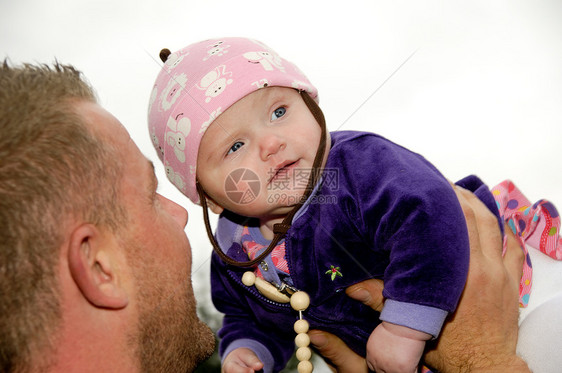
pixel 86 240
pixel 51 168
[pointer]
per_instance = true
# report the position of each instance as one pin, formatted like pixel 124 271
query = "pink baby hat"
pixel 197 84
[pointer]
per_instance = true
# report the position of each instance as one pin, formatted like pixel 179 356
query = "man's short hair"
pixel 53 170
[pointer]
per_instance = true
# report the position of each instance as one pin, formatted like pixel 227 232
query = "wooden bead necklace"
pixel 299 302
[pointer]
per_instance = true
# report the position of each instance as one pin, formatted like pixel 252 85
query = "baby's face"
pixel 255 158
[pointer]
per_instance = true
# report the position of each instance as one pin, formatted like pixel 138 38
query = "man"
pixel 95 265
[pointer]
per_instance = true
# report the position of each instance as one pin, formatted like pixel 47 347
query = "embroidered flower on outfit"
pixel 333 272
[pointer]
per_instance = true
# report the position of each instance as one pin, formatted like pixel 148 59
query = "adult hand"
pixel 482 334
pixel 333 349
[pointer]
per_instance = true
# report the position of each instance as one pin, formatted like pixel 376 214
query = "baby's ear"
pixel 216 208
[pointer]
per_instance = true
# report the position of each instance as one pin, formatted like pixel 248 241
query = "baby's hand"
pixel 394 348
pixel 241 360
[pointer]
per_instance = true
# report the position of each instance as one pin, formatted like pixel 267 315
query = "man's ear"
pixel 214 207
pixel 93 258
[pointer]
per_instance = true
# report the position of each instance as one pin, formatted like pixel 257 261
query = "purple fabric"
pixel 395 217
pixel 407 314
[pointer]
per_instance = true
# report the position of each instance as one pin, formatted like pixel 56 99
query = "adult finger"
pixel 336 352
pixel 333 349
pixel 482 225
pixel 483 228
pixel 514 257
pixel 369 292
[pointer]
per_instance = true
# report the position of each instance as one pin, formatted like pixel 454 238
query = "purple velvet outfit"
pixel 381 211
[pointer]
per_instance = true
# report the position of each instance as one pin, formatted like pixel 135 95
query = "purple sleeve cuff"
pixel 414 316
pixel 260 350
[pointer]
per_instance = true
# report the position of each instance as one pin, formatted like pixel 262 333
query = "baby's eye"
pixel 237 145
pixel 278 113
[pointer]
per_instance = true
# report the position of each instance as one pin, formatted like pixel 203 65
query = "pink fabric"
pixel 537 225
pixel 252 248
pixel 197 84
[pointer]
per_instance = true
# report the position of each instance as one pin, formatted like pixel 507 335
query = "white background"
pixel 482 92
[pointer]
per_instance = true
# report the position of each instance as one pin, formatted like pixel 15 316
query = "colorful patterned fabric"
pixel 253 249
pixel 537 225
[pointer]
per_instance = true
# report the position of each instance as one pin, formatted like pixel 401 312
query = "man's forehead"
pixel 101 122
pixel 112 131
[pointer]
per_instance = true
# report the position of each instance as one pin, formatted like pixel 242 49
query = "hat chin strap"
pixel 279 229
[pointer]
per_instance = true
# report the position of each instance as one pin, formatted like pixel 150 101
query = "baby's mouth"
pixel 282 171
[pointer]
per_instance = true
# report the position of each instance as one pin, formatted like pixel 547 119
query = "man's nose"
pixel 178 212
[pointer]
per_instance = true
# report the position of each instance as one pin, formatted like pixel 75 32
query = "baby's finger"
pixel 232 367
pixel 253 362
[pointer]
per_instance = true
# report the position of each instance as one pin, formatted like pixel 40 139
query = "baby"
pixel 239 130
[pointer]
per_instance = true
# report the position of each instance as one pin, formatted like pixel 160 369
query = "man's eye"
pixel 237 145
pixel 278 113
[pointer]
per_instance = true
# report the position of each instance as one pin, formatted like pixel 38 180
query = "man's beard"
pixel 170 337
